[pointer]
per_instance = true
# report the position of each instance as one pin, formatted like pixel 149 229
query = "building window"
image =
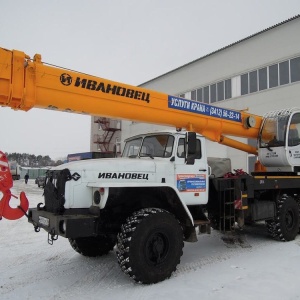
pixel 227 88
pixel 188 95
pixel 278 74
pixel 257 80
pixel 213 93
pixel 273 76
pixel 206 94
pixel 295 69
pixel 193 95
pixel 284 72
pixel 199 95
pixel 253 81
pixel 244 84
pixel 263 79
pixel 220 90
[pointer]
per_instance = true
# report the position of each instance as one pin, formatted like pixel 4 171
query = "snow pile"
pixel 209 269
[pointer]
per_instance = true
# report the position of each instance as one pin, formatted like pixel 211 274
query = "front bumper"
pixel 67 225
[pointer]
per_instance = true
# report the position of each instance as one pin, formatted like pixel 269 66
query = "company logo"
pixel 104 87
pixel 65 79
pixel 124 176
pixel 76 176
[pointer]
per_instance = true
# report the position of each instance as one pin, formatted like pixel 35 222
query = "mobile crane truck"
pixel 149 201
pixel 14 170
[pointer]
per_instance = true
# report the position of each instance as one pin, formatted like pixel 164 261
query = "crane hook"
pixel 6 183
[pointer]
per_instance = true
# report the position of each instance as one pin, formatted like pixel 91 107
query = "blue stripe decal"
pixel 203 109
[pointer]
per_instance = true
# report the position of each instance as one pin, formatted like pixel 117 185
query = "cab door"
pixel 191 178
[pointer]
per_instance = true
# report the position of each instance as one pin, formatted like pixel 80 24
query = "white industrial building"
pixel 260 73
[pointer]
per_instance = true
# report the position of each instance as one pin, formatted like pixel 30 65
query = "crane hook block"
pixel 6 183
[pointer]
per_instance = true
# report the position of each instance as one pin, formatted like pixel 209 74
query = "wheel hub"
pixel 289 219
pixel 157 248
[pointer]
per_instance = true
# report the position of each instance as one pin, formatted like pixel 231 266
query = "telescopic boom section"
pixel 27 83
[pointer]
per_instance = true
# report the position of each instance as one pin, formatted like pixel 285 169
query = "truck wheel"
pixel 286 224
pixel 93 246
pixel 150 245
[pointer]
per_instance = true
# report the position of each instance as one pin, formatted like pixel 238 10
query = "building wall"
pixel 272 46
pixel 262 49
pixel 228 65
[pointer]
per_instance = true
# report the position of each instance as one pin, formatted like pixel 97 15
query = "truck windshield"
pixel 157 146
pixel 160 145
pixel 12 166
pixel 132 148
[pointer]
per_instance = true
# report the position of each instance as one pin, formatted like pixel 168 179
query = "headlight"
pixel 62 226
pixel 97 197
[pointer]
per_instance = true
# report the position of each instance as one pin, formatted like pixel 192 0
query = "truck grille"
pixel 54 191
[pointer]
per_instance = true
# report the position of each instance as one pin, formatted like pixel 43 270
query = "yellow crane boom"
pixel 26 83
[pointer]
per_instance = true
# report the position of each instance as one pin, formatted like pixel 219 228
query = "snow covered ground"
pixel 30 268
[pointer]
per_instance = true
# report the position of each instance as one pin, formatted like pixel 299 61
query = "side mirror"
pixel 190 150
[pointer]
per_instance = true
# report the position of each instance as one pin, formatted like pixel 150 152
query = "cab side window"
pixel 181 149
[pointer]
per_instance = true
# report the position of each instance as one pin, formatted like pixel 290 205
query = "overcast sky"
pixel 130 41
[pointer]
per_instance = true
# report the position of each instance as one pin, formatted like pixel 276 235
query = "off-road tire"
pixel 285 226
pixel 93 246
pixel 149 245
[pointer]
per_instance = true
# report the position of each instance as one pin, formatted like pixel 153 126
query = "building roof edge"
pixel 225 47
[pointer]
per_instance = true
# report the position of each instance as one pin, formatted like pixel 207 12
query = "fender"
pixel 120 185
